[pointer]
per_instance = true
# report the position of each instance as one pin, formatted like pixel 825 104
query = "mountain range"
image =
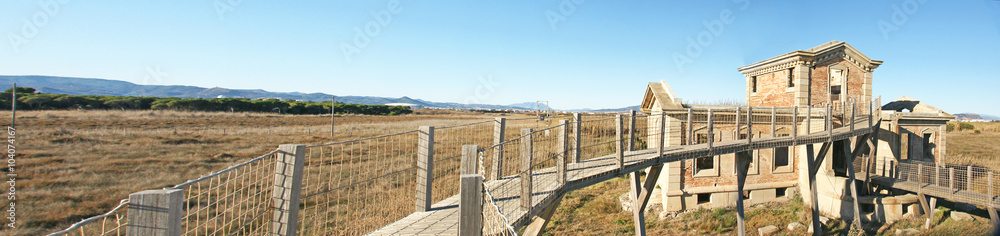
pixel 90 86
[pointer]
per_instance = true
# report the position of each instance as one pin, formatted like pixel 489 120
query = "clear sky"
pixel 574 54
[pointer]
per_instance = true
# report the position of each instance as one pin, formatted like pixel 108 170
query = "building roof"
pixel 812 56
pixel 659 91
pixel 915 107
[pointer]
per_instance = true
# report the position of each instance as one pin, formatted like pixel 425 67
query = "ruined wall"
pixel 820 81
pixel 772 90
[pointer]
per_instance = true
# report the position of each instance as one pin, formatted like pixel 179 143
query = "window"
pixel 928 146
pixel 791 82
pixel 702 138
pixel 779 192
pixel 704 198
pixel 836 81
pixel 780 157
pixel 753 83
pixel 704 163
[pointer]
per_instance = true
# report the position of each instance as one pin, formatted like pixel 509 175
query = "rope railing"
pixel 112 222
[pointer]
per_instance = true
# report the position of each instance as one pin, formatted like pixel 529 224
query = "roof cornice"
pixel 813 56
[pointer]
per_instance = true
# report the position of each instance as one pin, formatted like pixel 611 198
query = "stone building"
pixel 832 73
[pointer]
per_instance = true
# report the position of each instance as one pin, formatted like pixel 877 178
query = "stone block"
pixel 767 230
pixel 958 215
pixel 796 226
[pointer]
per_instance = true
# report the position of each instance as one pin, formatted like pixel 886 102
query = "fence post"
pixel 578 120
pixel 333 106
pixel 870 111
pixel 809 112
pixel 425 167
pixel 631 130
pixel 920 178
pixel 287 186
pixel 829 121
pixel 619 142
pixel 155 212
pixel 852 116
pixel 774 121
pixel 563 147
pixel 736 134
pixel 526 156
pixel 937 174
pixel 690 127
pixel 749 124
pixel 711 132
pixel 951 179
pixel 469 164
pixel 499 127
pixel 968 178
pixel 989 185
pixel 662 137
pixel 470 205
pixel 795 124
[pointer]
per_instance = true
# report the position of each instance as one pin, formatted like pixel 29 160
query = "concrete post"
pixel 563 147
pixel 470 205
pixel 155 212
pixel 578 120
pixel 619 143
pixel 287 188
pixel 526 156
pixel 425 167
pixel 499 127
pixel 631 130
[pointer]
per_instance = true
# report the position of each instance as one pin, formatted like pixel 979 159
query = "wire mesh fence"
pixel 234 201
pixel 448 143
pixel 354 187
pixel 112 222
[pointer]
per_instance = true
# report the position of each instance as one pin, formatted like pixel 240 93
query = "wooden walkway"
pixel 443 217
pixel 955 192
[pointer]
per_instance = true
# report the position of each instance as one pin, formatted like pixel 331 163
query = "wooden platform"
pixel 442 219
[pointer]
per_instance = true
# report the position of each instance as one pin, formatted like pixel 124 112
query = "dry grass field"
pixel 76 164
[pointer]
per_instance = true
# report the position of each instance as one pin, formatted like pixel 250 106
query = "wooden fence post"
pixel 425 167
pixel 852 116
pixel 829 121
pixel 578 121
pixel 499 128
pixel 470 205
pixel 631 130
pixel 951 179
pixel 690 127
pixel 662 137
pixel 736 134
pixel 333 105
pixel 563 147
pixel 774 122
pixel 968 178
pixel 711 132
pixel 526 156
pixel 749 124
pixel 287 188
pixel 937 174
pixel 619 143
pixel 809 119
pixel 155 212
pixel 795 125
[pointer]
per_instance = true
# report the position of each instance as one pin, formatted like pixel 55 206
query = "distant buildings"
pixel 411 105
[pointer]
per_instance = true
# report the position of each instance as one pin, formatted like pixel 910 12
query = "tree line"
pixel 28 99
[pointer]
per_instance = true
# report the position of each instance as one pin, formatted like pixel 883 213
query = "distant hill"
pixel 974 117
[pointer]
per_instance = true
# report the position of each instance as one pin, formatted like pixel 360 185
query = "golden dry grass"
pixel 76 164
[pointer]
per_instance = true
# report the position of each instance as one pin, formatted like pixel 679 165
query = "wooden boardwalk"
pixel 443 217
pixel 955 191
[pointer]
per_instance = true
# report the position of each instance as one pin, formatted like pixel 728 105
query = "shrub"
pixel 965 126
pixel 950 127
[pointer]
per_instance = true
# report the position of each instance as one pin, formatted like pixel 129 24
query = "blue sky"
pixel 574 54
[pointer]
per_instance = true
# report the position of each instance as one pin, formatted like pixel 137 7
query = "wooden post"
pixel 690 127
pixel 852 117
pixel 469 164
pixel 619 143
pixel 795 125
pixel 333 105
pixel 742 164
pixel 813 160
pixel 930 217
pixel 526 156
pixel 563 147
pixel 870 111
pixel 637 215
pixel 736 134
pixel 951 179
pixel 662 136
pixel 774 121
pixel 470 205
pixel 850 155
pixel 809 119
pixel 631 130
pixel 711 132
pixel 829 122
pixel 425 167
pixel 920 179
pixel 578 120
pixel 937 174
pixel 499 128
pixel 155 212
pixel 749 124
pixel 287 187
pixel 968 178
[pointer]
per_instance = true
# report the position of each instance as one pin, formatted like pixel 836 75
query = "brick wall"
pixel 772 90
pixel 820 89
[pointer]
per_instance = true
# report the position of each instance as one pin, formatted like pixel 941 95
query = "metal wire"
pixel 112 222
